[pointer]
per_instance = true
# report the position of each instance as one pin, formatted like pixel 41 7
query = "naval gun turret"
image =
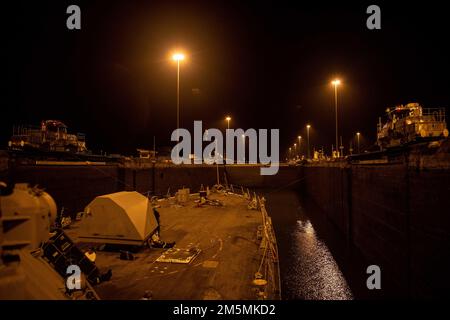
pixel 26 271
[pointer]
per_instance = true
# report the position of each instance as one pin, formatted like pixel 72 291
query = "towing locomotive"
pixel 51 135
pixel 411 123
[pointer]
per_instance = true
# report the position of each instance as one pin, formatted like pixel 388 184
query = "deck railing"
pixel 268 270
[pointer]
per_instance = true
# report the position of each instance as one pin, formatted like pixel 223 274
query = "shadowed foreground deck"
pixel 225 268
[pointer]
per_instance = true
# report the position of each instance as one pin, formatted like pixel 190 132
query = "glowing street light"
pixel 336 83
pixel 178 56
pixel 307 137
pixel 228 119
pixel 299 144
pixel 357 136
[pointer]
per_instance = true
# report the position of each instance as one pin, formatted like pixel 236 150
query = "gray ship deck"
pixel 224 269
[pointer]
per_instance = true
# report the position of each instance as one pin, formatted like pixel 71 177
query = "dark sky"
pixel 268 65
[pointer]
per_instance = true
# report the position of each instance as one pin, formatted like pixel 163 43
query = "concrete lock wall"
pixel 161 179
pixel 395 215
pixel 176 177
pixel 379 225
pixel 250 176
pixel 429 231
pixel 73 187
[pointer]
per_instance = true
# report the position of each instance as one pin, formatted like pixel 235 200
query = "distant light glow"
pixel 228 118
pixel 178 56
pixel 336 82
pixel 358 133
pixel 308 126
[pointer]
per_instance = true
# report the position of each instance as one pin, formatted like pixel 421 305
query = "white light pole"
pixel 307 137
pixel 228 118
pixel 178 57
pixel 357 137
pixel 336 83
pixel 299 145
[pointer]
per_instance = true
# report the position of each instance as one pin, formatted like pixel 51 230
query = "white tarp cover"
pixel 122 217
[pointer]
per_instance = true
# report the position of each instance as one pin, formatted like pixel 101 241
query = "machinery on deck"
pixel 52 135
pixel 29 268
pixel 409 123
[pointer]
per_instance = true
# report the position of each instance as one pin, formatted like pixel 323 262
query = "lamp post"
pixel 178 57
pixel 336 83
pixel 307 138
pixel 295 150
pixel 228 119
pixel 299 145
pixel 357 137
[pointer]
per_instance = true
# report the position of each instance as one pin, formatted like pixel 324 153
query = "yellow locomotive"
pixel 410 123
pixel 52 135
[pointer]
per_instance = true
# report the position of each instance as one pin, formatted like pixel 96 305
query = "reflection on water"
pixel 313 273
pixel 308 269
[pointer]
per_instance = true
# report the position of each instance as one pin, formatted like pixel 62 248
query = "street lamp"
pixel 336 83
pixel 357 136
pixel 228 119
pixel 178 57
pixel 299 144
pixel 295 150
pixel 307 137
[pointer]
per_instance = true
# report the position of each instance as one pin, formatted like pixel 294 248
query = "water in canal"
pixel 309 249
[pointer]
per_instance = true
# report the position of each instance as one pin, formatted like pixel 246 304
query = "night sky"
pixel 268 65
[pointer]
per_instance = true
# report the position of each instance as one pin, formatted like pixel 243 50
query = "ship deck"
pixel 224 269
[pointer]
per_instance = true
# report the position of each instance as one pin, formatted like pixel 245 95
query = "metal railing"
pixel 269 260
pixel 438 114
pixel 268 269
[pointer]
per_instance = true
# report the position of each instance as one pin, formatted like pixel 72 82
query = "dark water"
pixel 312 252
